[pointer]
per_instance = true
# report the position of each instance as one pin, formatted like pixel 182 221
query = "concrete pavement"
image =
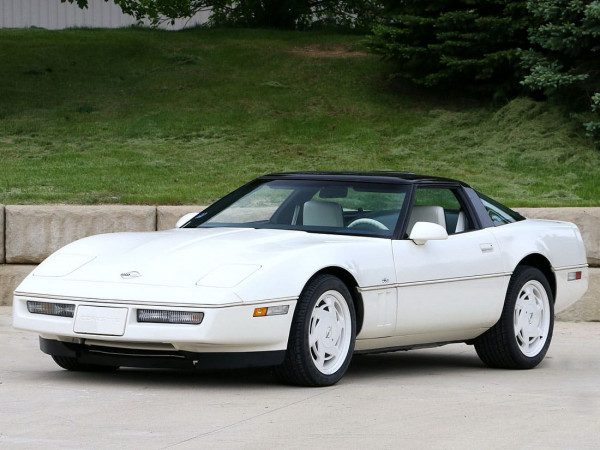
pixel 439 398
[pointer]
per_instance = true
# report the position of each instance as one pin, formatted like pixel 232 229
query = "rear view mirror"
pixel 185 219
pixel 426 231
pixel 333 192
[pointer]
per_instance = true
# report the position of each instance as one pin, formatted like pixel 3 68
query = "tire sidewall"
pixel 310 295
pixel 520 278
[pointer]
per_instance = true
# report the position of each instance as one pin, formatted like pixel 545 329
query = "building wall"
pixel 54 15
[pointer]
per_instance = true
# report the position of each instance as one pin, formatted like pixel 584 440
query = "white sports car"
pixel 301 270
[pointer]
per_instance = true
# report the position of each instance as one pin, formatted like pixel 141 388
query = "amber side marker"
pixel 271 311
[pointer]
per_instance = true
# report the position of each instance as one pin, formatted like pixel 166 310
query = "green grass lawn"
pixel 140 116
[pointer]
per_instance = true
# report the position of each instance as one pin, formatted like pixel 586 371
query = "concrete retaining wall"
pixel 29 233
pixel 33 232
pixel 1 234
pixel 11 276
pixel 167 216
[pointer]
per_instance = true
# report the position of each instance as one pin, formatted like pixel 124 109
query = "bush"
pixel 467 43
pixel 295 14
pixel 564 61
pixel 286 14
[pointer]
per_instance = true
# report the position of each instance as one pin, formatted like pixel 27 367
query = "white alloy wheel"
pixel 532 318
pixel 329 333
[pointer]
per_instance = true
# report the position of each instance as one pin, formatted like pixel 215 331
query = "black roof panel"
pixel 373 177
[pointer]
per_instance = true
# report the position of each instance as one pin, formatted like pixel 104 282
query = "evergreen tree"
pixel 461 43
pixel 564 62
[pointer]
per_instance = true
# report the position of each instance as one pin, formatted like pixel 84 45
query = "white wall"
pixel 54 15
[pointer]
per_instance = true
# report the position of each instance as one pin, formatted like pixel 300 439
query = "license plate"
pixel 100 320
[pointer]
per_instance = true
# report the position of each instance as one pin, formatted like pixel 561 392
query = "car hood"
pixel 213 257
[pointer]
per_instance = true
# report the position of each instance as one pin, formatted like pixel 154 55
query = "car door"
pixel 447 288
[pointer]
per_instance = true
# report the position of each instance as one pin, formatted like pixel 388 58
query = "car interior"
pixel 440 206
pixel 368 210
pixel 329 213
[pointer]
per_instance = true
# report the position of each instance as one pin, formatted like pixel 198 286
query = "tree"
pixel 467 43
pixel 288 14
pixel 564 62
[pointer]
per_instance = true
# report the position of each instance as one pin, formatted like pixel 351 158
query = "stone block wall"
pixel 30 233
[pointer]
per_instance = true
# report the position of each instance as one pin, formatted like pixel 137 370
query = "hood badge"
pixel 132 274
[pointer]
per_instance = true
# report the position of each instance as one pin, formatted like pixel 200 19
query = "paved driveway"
pixel 428 398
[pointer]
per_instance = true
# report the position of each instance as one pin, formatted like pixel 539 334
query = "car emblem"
pixel 132 274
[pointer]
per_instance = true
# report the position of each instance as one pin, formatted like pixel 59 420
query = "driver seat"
pixel 318 213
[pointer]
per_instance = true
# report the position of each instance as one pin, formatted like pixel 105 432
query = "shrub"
pixel 465 43
pixel 564 61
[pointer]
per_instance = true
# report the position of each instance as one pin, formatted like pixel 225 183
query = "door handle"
pixel 487 247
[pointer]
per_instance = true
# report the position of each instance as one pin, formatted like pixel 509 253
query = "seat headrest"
pixel 432 214
pixel 322 214
pixel 461 223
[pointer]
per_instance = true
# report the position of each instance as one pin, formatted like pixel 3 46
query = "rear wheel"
pixel 73 364
pixel 522 336
pixel 322 335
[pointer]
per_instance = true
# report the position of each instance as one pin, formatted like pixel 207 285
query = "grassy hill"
pixel 140 116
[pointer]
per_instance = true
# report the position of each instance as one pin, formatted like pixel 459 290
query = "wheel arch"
pixel 542 263
pixel 352 285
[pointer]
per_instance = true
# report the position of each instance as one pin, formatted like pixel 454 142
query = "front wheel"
pixel 522 336
pixel 322 335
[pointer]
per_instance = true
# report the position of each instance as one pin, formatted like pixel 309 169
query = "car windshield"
pixel 354 208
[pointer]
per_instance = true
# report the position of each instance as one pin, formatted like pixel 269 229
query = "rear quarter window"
pixel 499 214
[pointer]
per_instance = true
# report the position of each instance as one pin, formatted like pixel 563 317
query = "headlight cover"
pixel 228 276
pixel 61 264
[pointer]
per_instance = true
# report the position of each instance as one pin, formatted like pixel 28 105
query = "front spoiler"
pixel 168 359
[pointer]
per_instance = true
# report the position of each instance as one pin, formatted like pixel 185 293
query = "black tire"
pixel 73 364
pixel 298 367
pixel 498 347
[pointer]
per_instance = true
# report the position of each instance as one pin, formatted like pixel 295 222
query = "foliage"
pixel 286 14
pixel 455 43
pixel 144 116
pixel 296 14
pixel 564 62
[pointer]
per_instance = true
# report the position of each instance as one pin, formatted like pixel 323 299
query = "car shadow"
pixel 363 367
pixel 408 363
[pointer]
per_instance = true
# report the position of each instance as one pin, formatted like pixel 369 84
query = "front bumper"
pixel 231 329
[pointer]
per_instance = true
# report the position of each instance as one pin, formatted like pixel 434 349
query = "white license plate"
pixel 100 320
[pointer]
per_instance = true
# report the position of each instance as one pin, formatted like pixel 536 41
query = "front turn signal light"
pixel 271 311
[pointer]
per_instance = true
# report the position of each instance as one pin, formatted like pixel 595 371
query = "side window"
pixel 441 206
pixel 500 214
pixel 372 209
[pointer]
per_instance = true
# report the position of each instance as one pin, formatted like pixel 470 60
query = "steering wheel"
pixel 369 222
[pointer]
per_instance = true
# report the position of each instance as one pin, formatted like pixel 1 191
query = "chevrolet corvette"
pixel 300 271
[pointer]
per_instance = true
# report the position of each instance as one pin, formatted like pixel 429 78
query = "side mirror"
pixel 427 231
pixel 185 219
